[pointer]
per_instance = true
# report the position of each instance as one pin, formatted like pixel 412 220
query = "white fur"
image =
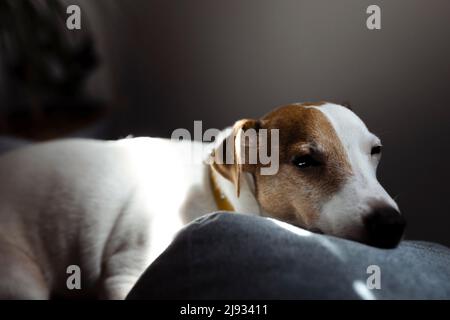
pixel 362 192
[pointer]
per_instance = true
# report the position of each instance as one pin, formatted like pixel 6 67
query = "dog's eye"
pixel 375 150
pixel 305 161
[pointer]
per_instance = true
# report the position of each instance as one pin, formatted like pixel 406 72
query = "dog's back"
pixel 94 204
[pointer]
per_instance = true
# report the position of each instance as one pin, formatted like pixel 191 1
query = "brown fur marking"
pixel 293 191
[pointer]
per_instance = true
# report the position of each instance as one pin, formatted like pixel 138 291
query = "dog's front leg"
pixel 121 272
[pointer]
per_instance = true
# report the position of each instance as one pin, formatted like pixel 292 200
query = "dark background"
pixel 164 64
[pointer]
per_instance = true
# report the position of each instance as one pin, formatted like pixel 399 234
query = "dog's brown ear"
pixel 228 159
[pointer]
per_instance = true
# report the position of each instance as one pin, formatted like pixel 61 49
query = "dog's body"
pixel 112 207
pixel 108 207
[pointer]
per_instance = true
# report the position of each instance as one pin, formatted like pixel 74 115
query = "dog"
pixel 111 207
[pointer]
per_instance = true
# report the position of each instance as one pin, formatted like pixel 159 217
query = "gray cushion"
pixel 233 256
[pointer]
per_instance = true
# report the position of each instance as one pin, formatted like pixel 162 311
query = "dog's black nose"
pixel 384 226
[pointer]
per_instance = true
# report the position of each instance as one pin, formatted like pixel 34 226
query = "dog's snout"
pixel 385 227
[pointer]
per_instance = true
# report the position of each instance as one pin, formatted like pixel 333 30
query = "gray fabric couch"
pixel 234 256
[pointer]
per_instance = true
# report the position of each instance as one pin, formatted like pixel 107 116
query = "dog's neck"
pixel 220 199
pixel 246 203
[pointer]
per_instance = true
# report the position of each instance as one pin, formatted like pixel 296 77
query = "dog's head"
pixel 326 179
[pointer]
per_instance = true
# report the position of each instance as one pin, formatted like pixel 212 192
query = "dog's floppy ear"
pixel 228 159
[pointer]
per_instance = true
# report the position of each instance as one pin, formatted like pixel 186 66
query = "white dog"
pixel 112 207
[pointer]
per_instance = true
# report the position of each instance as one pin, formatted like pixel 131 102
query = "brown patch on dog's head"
pixel 312 164
pixel 295 193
